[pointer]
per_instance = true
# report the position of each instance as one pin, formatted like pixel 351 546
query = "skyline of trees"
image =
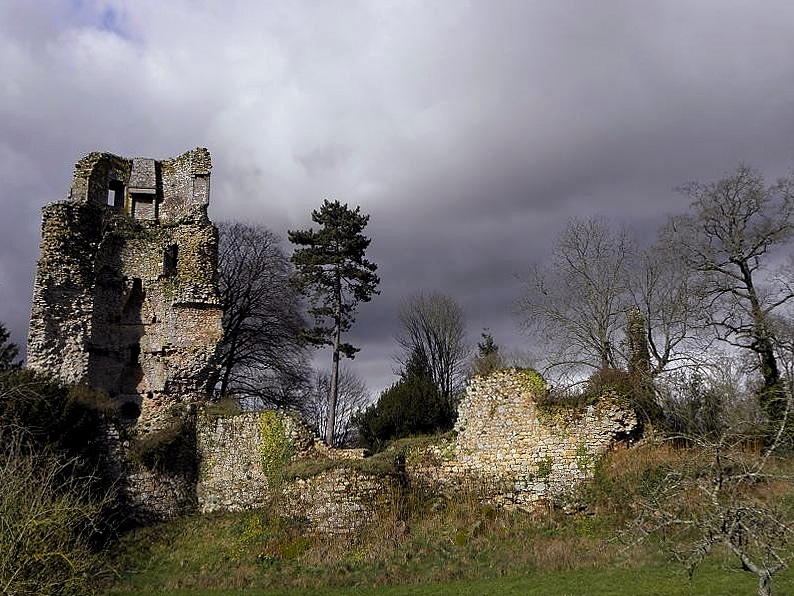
pixel 712 283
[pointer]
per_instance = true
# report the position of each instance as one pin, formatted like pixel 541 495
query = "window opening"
pixel 170 260
pixel 116 194
pixel 135 353
pixel 130 410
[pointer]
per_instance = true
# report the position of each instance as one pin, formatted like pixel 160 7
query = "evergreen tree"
pixel 488 358
pixel 332 271
pixel 8 351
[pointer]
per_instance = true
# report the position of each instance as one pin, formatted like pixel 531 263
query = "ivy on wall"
pixel 276 448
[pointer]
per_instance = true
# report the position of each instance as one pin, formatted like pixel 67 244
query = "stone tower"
pixel 125 297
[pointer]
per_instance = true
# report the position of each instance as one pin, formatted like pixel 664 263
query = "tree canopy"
pixel 9 351
pixel 261 355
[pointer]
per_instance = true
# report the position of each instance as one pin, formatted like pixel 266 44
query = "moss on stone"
pixel 545 467
pixel 275 447
pixel 532 380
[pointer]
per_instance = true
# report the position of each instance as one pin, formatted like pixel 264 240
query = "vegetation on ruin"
pixel 169 447
pixel 387 462
pixel 714 492
pixel 411 406
pixel 276 448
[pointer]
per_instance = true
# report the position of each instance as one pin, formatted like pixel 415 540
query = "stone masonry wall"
pixel 508 449
pixel 517 452
pixel 125 297
pixel 234 455
pixel 125 300
pixel 232 476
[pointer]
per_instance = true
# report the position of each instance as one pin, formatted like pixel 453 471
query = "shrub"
pixel 412 406
pixel 168 448
pixel 66 420
pixel 637 389
pixel 49 518
pixel 692 408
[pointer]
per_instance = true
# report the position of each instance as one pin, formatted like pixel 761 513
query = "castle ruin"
pixel 126 301
pixel 125 297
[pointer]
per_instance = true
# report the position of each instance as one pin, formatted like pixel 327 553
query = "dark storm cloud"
pixel 470 131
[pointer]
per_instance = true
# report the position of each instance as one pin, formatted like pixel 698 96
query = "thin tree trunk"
pixel 332 398
pixel 764 584
pixel 227 369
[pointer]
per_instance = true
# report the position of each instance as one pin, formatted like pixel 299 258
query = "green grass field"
pixel 668 580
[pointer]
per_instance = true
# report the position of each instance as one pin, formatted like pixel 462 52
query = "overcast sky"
pixel 469 131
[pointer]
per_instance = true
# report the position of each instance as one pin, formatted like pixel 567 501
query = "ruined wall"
pixel 508 449
pixel 518 448
pixel 231 451
pixel 339 500
pixel 242 462
pixel 125 297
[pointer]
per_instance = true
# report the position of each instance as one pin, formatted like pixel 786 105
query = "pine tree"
pixel 8 351
pixel 488 358
pixel 332 271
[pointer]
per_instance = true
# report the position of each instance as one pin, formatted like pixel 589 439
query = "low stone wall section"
pixel 339 500
pixel 516 448
pixel 232 476
pixel 511 446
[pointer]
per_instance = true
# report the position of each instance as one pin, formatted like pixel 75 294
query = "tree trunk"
pixel 771 398
pixel 764 574
pixel 764 583
pixel 227 368
pixel 332 398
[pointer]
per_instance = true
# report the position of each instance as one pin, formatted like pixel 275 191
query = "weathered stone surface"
pixel 126 300
pixel 507 450
pixel 233 477
pixel 515 452
pixel 231 472
pixel 125 297
pixel 338 501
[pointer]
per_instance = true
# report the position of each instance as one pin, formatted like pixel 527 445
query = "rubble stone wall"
pixel 508 449
pixel 125 297
pixel 232 476
pixel 528 448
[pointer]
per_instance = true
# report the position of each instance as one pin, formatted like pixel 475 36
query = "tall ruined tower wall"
pixel 125 297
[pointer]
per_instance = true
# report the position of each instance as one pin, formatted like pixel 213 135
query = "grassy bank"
pixel 425 545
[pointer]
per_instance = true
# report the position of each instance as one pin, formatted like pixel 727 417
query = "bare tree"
pixel 668 295
pixel 434 329
pixel 597 286
pixel 722 492
pixel 261 356
pixel 353 397
pixel 730 239
pixel 577 305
